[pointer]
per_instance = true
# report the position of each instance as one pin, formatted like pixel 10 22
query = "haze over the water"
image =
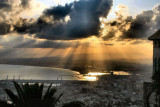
pixel 78 35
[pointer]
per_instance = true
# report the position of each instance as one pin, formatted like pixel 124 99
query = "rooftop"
pixel 155 36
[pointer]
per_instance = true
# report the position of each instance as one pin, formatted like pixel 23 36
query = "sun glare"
pixel 89 78
pixel 96 73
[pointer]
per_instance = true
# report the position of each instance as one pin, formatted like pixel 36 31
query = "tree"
pixel 31 95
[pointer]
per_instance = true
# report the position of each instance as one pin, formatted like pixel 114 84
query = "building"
pixel 156 50
pixel 147 86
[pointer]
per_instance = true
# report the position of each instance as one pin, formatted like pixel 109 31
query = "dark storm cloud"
pixel 59 11
pixel 4 28
pixel 9 14
pixel 12 6
pixel 23 25
pixel 83 20
pixel 156 10
pixel 4 5
pixel 25 3
pixel 141 27
pixel 77 20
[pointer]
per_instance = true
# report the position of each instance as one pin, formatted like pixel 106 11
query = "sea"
pixel 36 73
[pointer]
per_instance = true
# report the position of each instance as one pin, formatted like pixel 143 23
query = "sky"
pixel 99 29
pixel 135 6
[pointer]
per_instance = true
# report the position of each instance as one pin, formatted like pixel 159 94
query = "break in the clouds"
pixel 76 20
pixel 83 20
pixel 126 27
pixel 12 13
pixel 9 11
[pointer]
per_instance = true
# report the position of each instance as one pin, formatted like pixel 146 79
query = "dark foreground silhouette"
pixel 31 95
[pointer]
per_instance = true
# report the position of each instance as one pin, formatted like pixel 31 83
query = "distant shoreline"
pixel 52 67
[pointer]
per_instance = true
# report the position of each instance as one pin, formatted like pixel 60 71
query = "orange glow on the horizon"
pixel 91 50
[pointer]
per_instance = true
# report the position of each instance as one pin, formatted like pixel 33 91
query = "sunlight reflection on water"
pixel 48 73
pixel 93 76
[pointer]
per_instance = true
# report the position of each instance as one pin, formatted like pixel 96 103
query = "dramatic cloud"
pixel 83 20
pixel 76 20
pixel 141 26
pixel 156 9
pixel 127 27
pixel 59 12
pixel 5 28
pixel 12 13
pixel 8 9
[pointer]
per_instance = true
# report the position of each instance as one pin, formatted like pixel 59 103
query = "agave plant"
pixel 31 95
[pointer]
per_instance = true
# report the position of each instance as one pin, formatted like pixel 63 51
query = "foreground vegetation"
pixel 31 95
